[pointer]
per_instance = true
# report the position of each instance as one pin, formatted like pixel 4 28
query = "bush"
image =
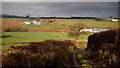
pixel 46 54
pixel 105 46
pixel 12 25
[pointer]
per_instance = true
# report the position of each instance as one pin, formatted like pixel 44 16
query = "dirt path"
pixel 76 64
pixel 93 62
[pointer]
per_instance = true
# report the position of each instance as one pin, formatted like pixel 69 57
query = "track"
pixel 93 62
pixel 76 64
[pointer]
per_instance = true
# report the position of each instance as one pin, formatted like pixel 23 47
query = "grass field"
pixel 44 26
pixel 89 23
pixel 16 37
pixel 22 19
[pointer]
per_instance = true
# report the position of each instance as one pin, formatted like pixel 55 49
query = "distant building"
pixel 107 19
pixel 36 22
pixel 32 22
pixel 93 30
pixel 26 22
pixel 115 20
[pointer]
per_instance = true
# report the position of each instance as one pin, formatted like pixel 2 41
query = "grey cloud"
pixel 60 0
pixel 98 9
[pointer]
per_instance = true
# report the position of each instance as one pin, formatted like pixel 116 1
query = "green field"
pixel 14 37
pixel 89 23
pixel 17 37
pixel 44 26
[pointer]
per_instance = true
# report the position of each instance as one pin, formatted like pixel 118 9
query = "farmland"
pixel 16 37
pixel 46 41
pixel 19 37
pixel 89 23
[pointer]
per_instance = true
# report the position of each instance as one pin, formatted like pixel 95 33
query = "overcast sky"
pixel 97 9
pixel 60 0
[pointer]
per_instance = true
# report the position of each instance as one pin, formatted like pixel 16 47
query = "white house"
pixel 115 20
pixel 36 22
pixel 93 30
pixel 31 22
pixel 26 22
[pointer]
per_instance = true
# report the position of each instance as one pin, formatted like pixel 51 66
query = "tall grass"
pixel 12 25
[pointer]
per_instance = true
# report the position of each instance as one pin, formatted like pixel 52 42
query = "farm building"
pixel 107 19
pixel 36 22
pixel 115 20
pixel 93 30
pixel 26 22
pixel 32 22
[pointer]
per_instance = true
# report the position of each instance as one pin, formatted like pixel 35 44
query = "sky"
pixel 66 9
pixel 60 0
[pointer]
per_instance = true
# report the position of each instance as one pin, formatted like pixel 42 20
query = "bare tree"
pixel 75 29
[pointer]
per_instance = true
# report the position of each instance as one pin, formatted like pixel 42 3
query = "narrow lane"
pixel 76 64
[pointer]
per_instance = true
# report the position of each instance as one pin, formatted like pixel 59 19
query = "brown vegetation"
pixel 46 54
pixel 12 25
pixel 105 47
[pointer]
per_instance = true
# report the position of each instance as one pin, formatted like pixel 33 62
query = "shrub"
pixel 46 54
pixel 105 46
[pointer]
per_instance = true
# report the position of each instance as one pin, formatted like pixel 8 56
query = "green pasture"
pixel 22 19
pixel 89 23
pixel 44 26
pixel 15 37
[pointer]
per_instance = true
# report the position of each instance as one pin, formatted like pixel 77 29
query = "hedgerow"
pixel 105 46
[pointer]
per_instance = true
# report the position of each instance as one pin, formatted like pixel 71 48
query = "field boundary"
pixel 48 30
pixel 42 41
